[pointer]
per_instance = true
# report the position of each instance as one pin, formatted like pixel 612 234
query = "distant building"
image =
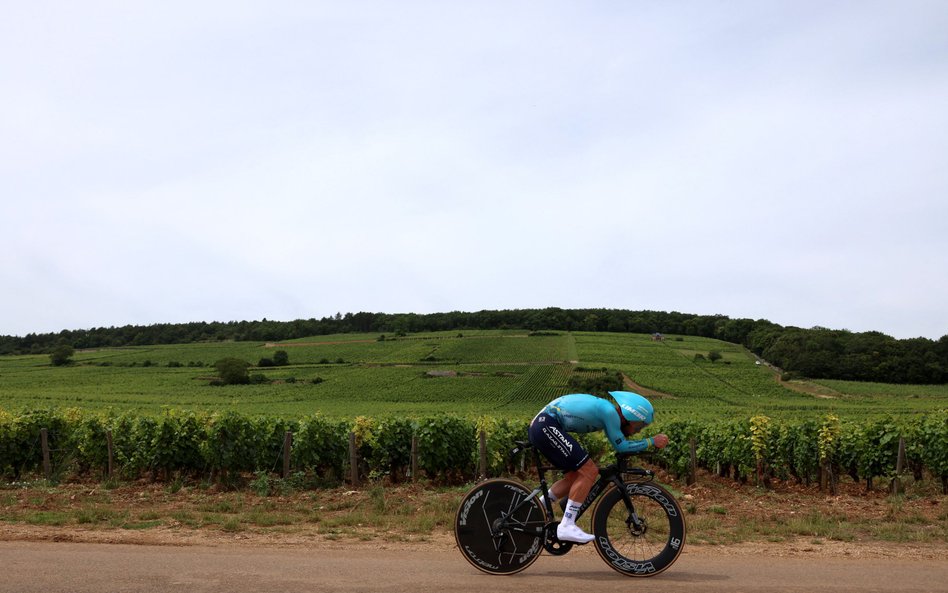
pixel 657 337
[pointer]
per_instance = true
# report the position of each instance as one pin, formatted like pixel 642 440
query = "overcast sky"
pixel 215 161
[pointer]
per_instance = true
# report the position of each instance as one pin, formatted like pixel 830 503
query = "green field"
pixel 500 373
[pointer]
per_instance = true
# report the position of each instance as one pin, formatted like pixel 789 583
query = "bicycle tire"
pixel 506 550
pixel 639 552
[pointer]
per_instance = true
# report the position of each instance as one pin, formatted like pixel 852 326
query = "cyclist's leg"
pixel 583 480
pixel 542 437
pixel 557 445
pixel 565 453
pixel 559 490
pixel 577 483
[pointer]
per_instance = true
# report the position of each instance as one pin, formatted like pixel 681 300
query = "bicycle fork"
pixel 634 523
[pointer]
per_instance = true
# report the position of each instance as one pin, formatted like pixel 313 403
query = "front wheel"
pixel 500 527
pixel 644 540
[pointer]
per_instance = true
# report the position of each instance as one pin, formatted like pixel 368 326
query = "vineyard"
pixel 224 446
pixel 167 417
pixel 466 373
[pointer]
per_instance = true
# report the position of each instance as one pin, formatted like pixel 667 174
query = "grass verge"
pixel 718 512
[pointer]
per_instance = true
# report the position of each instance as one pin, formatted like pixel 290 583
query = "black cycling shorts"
pixel 556 444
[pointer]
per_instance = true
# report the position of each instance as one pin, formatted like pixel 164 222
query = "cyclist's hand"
pixel 660 441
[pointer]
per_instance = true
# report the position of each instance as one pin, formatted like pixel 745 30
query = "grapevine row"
pixel 226 445
pixel 761 448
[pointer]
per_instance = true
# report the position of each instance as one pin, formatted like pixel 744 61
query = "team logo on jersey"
pixel 562 438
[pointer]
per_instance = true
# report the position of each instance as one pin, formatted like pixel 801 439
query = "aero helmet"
pixel 635 408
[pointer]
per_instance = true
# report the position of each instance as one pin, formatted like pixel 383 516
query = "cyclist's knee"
pixel 584 479
pixel 588 471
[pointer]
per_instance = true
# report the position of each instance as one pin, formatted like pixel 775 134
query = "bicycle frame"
pixel 611 474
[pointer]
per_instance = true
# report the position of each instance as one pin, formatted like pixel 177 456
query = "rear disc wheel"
pixel 497 529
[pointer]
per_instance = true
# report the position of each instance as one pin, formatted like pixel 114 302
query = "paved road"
pixel 48 567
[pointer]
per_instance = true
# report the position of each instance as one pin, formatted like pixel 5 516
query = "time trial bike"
pixel 501 526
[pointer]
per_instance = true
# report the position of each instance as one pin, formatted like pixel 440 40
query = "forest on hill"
pixel 817 352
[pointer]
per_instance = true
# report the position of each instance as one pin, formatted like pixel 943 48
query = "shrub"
pixel 61 355
pixel 599 384
pixel 233 371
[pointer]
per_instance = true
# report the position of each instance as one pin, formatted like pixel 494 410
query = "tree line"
pixel 817 352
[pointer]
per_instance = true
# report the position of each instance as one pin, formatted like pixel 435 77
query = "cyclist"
pixel 580 412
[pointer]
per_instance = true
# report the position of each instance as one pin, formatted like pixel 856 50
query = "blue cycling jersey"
pixel 581 412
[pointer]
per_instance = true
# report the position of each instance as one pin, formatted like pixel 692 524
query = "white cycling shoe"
pixel 572 533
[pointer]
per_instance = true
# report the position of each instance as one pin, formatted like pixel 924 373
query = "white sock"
pixel 572 509
pixel 553 499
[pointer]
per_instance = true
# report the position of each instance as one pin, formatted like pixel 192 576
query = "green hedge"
pixel 224 445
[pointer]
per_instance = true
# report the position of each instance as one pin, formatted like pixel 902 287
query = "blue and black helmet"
pixel 635 408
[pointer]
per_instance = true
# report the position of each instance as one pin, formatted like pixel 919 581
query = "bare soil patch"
pixel 642 390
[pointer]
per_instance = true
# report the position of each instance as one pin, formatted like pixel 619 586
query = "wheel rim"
pixel 643 545
pixel 642 541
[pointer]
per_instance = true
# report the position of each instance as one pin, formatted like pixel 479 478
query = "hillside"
pixel 476 372
pixel 816 352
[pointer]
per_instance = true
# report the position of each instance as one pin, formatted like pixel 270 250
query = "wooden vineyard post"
pixel 287 447
pixel 111 447
pixel 827 479
pixel 482 454
pixel 353 460
pixel 44 443
pixel 414 458
pixel 693 464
